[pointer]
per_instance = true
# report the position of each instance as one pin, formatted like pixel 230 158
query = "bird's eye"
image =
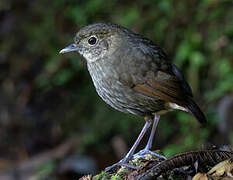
pixel 92 40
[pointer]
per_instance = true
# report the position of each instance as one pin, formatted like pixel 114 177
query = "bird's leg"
pixel 129 155
pixel 146 150
pixel 152 134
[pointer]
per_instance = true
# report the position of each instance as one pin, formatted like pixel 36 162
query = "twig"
pixel 210 157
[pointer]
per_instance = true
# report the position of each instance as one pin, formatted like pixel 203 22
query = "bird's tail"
pixel 194 109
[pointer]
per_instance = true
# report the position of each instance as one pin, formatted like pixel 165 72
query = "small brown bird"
pixel 133 75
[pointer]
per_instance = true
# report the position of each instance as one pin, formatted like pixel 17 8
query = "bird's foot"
pixel 123 162
pixel 143 152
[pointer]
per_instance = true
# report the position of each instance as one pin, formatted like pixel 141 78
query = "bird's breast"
pixel 108 86
pixel 116 93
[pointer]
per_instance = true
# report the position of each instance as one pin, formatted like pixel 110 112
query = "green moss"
pixel 102 176
pixel 116 177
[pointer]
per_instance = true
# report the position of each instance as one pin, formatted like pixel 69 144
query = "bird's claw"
pixel 141 154
pixel 120 163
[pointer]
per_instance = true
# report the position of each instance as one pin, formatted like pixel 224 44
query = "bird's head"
pixel 96 41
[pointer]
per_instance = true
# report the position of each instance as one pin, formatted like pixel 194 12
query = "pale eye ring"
pixel 92 40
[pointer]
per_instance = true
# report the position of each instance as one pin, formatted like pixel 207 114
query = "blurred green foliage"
pixel 58 91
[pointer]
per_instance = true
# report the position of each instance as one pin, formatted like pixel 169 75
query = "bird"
pixel 133 75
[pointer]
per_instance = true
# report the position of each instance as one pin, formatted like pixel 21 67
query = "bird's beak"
pixel 70 48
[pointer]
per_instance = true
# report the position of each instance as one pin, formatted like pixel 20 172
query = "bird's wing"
pixel 169 88
pixel 157 77
pixel 165 82
pixel 163 86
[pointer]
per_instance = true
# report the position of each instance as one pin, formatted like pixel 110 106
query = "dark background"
pixel 53 125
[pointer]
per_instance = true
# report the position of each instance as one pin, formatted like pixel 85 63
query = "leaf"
pixel 224 167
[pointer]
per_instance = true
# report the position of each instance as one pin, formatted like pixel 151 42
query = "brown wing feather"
pixel 164 86
pixel 169 89
pixel 149 91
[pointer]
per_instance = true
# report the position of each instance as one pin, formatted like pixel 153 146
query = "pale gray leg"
pixel 129 155
pixel 146 150
pixel 152 134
